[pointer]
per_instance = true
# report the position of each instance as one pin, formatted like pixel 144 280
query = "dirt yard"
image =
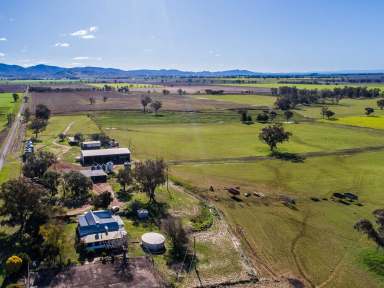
pixel 138 274
pixel 69 102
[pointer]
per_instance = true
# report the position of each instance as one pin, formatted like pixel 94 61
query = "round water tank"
pixel 153 242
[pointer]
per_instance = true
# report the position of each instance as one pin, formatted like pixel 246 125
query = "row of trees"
pixel 290 97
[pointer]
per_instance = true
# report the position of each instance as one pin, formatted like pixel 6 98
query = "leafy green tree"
pixel 15 97
pixel 62 136
pixel 288 115
pixel 54 241
pixel 380 103
pixel 324 111
pixel 21 200
pixel 156 105
pixel 38 163
pixel 42 112
pixel 369 111
pixel 102 200
pixel 124 177
pixel 329 114
pixel 38 125
pixel 145 100
pixel 150 174
pixel 51 181
pixel 272 135
pixel 262 117
pixel 76 186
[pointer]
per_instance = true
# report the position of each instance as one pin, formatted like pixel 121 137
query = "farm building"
pixel 101 229
pixel 102 156
pixel 97 176
pixel 89 145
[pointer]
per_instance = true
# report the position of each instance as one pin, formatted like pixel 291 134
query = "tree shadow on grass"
pixel 286 156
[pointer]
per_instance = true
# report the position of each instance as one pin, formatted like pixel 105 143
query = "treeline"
pixel 292 96
pixel 42 89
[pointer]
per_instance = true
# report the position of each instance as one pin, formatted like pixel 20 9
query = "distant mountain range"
pixel 54 72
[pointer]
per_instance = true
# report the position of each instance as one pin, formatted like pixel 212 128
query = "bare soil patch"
pixel 137 273
pixel 69 102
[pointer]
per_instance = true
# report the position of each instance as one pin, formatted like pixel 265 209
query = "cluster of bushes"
pixel 203 220
pixel 214 92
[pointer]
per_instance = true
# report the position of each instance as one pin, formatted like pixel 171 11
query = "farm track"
pixel 299 236
pixel 249 159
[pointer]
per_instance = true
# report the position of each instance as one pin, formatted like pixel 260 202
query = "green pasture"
pixel 346 107
pixel 58 124
pixel 375 122
pixel 316 238
pixel 306 86
pixel 187 141
pixel 254 100
pixel 8 106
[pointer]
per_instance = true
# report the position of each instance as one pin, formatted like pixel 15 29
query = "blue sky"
pixel 259 35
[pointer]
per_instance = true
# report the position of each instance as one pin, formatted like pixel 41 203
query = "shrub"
pixel 204 220
pixel 13 264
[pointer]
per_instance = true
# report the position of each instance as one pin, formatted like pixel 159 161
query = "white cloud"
pixel 2 54
pixel 79 33
pixel 81 58
pixel 3 39
pixel 86 33
pixel 88 36
pixel 62 44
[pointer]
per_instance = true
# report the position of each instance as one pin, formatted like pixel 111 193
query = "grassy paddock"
pixel 220 136
pixel 306 86
pixel 8 106
pixel 318 236
pixel 346 107
pixel 375 122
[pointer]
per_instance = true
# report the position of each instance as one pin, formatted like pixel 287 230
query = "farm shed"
pixel 102 156
pixel 89 145
pixel 153 242
pixel 97 176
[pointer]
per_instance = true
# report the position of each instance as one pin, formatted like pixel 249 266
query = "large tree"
pixel 288 115
pixel 21 200
pixel 53 234
pixel 102 200
pixel 51 180
pixel 145 100
pixel 38 163
pixel 272 135
pixel 156 105
pixel 42 112
pixel 150 174
pixel 15 97
pixel 77 186
pixel 124 177
pixel 38 125
pixel 380 103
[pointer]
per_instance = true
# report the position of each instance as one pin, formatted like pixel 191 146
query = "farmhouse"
pixel 89 145
pixel 102 156
pixel 100 229
pixel 97 176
